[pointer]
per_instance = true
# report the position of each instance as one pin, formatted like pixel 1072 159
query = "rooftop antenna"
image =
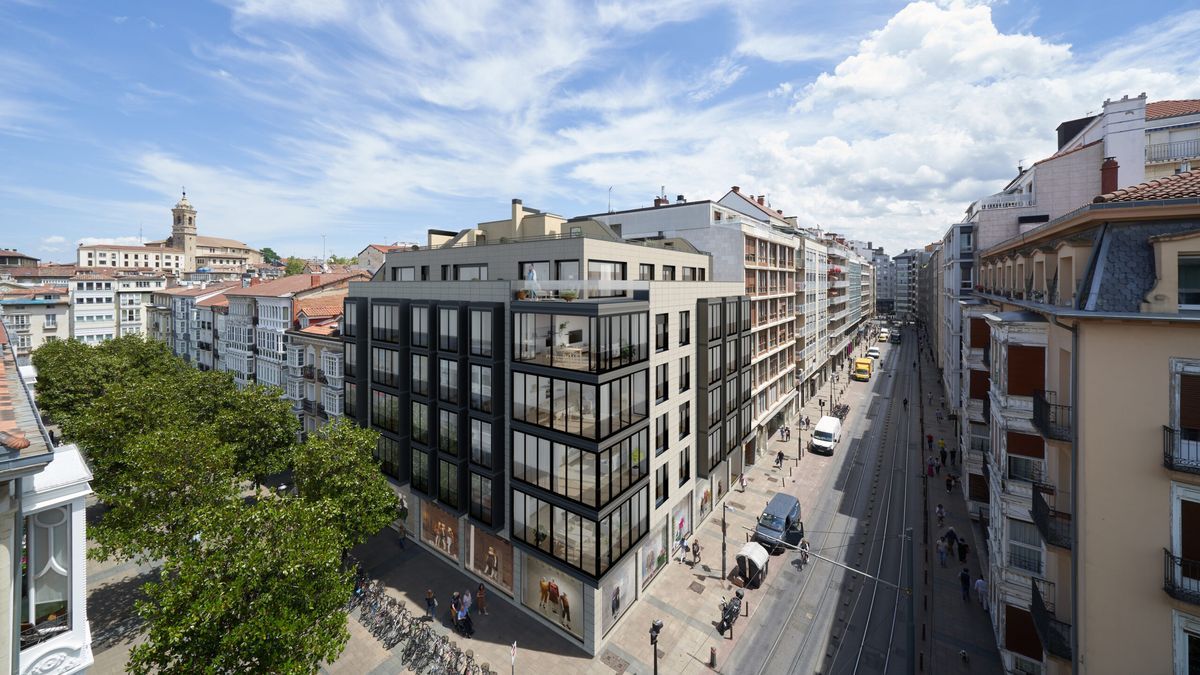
pixel 610 199
pixel 662 189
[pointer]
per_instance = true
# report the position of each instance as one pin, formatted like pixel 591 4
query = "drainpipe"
pixel 1074 491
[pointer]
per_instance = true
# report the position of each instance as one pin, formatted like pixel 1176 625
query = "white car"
pixel 873 352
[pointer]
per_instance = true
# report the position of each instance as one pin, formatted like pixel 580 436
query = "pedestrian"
pixel 943 455
pixel 929 466
pixel 941 551
pixel 938 415
pixel 953 457
pixel 949 483
pixel 930 399
pixel 963 549
pixel 937 464
pixel 695 551
pixel 430 603
pixel 456 611
pixel 905 405
pixel 464 621
pixel 742 481
pixel 981 591
pixel 929 442
pixel 803 551
pixel 481 600
pixel 940 512
pixel 683 549
pixel 807 422
pixel 964 580
pixel 951 536
pixel 779 460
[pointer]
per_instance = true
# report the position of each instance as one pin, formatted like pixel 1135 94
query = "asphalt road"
pixel 841 621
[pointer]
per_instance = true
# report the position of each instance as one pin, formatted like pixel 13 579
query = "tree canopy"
pixel 252 580
pixel 269 255
pixel 294 266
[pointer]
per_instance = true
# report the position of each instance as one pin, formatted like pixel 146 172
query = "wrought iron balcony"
pixel 1181 578
pixel 310 406
pixel 1055 526
pixel 1053 420
pixel 1054 633
pixel 1180 454
pixel 308 372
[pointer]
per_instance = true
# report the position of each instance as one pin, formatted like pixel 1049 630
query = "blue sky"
pixel 373 121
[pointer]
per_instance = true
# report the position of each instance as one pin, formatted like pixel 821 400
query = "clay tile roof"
pixel 218 300
pixel 9 253
pixel 12 400
pixel 288 286
pixel 326 327
pixel 186 292
pixel 324 306
pixel 1180 186
pixel 1160 109
pixel 34 290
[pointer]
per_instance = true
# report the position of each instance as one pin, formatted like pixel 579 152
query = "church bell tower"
pixel 183 232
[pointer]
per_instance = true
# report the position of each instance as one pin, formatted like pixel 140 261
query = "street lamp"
pixel 655 629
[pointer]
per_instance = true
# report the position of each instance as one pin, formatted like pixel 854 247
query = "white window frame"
pixel 1182 624
pixel 1041 548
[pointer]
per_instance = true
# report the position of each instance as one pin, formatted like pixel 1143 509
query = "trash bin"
pixel 752 563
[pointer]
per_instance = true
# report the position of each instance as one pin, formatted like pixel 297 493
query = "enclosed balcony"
pixel 1054 525
pixel 1181 578
pixel 1052 419
pixel 1054 633
pixel 1180 453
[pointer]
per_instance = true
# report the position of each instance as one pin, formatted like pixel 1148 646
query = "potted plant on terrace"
pixel 569 294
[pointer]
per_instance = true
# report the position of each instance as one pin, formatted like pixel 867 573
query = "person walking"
pixel 943 455
pixel 951 536
pixel 964 581
pixel 683 549
pixel 779 460
pixel 937 464
pixel 929 442
pixel 949 483
pixel 981 591
pixel 929 466
pixel 941 551
pixel 695 551
pixel 963 549
pixel 905 405
pixel 430 603
pixel 941 445
pixel 953 457
pixel 940 512
pixel 481 599
pixel 804 552
pixel 742 481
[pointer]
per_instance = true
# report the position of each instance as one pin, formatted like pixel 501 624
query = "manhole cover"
pixel 697 587
pixel 615 662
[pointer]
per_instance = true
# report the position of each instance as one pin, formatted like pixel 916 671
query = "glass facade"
pixel 587 410
pixel 584 544
pixel 590 478
pixel 593 344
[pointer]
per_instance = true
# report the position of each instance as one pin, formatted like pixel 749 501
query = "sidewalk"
pixel 946 625
pixel 684 597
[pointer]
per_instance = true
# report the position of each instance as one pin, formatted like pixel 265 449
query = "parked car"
pixel 826 435
pixel 873 352
pixel 780 522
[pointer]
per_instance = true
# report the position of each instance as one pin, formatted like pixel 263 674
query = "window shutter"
pixel 980 333
pixel 1026 445
pixel 1026 370
pixel 1020 635
pixel 1189 401
pixel 980 383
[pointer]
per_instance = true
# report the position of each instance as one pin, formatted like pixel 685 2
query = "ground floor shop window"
pixel 439 529
pixel 552 593
pixel 617 594
pixel 492 558
pixel 655 552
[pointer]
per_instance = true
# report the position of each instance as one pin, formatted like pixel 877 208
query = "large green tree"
pixel 269 255
pixel 294 266
pixel 335 468
pixel 262 590
pixel 260 423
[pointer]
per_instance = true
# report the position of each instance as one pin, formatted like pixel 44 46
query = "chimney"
pixel 518 213
pixel 761 201
pixel 779 211
pixel 1108 176
pixel 736 189
pixel 314 280
pixel 679 199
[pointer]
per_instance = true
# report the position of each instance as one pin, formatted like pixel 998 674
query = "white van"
pixel 826 435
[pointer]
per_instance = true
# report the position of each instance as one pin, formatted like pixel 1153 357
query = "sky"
pixel 371 122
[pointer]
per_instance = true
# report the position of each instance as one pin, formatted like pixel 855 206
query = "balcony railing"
pixel 310 406
pixel 1166 152
pixel 1054 633
pixel 1053 420
pixel 1054 525
pixel 1181 578
pixel 1006 202
pixel 308 372
pixel 1180 454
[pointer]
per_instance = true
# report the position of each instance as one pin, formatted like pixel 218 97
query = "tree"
pixel 262 590
pixel 260 424
pixel 335 469
pixel 269 255
pixel 294 266
pixel 175 478
pixel 339 260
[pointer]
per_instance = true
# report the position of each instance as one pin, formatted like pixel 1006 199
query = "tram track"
pixel 872 447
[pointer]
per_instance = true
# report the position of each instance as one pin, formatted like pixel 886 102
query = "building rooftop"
pixel 21 435
pixel 1180 186
pixel 323 328
pixel 218 300
pixel 30 291
pixel 1160 109
pixel 193 291
pixel 13 253
pixel 289 286
pixel 44 271
pixel 324 306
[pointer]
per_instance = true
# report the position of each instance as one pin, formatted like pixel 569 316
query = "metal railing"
pixel 308 372
pixel 1003 201
pixel 1166 152
pixel 1181 578
pixel 1053 420
pixel 1055 526
pixel 1180 454
pixel 1055 634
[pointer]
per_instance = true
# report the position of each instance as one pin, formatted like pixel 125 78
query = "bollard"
pixel 712 657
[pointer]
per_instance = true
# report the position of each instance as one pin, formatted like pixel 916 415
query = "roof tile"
pixel 1180 186
pixel 1160 109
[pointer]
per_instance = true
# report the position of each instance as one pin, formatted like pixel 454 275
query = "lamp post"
pixel 655 629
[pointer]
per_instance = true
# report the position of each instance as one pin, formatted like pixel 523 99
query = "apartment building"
pixel 34 316
pixel 183 252
pixel 1172 137
pixel 812 304
pixel 10 257
pixel 757 246
pixel 211 314
pixel 907 264
pixel 50 275
pixel 315 361
pixel 93 307
pixel 43 569
pixel 254 343
pixel 134 295
pixel 185 319
pixel 1093 351
pixel 557 404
